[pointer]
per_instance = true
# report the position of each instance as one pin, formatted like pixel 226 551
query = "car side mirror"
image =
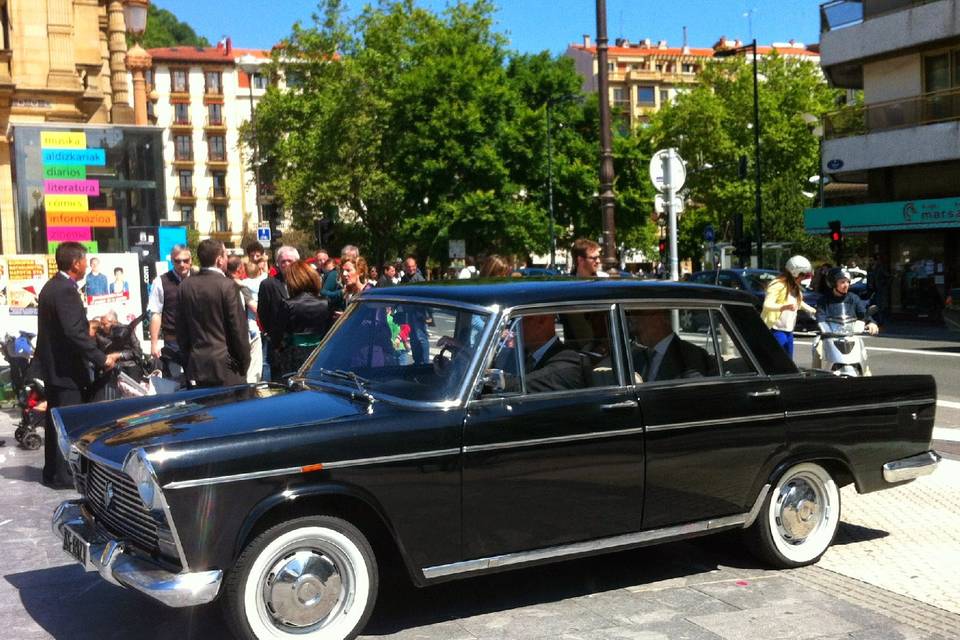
pixel 494 381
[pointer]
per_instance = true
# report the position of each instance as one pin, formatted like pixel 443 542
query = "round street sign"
pixel 678 172
pixel 708 233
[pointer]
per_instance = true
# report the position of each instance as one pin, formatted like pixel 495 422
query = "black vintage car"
pixel 470 428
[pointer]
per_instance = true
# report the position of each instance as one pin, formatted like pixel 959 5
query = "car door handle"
pixel 616 406
pixel 769 393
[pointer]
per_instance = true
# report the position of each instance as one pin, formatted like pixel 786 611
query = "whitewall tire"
pixel 313 578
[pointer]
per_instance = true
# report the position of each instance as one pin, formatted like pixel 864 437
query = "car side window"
pixel 731 356
pixel 727 280
pixel 671 343
pixel 554 352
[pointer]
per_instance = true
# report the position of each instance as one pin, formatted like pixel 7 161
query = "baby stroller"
pixel 33 411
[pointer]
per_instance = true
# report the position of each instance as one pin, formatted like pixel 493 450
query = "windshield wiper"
pixel 357 380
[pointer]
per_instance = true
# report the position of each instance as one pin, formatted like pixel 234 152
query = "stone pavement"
pixel 892 574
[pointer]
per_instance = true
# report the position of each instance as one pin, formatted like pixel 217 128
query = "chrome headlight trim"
pixel 138 466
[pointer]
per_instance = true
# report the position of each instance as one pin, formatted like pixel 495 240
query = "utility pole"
pixel 668 194
pixel 607 198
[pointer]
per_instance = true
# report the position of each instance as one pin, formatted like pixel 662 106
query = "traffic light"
pixel 323 230
pixel 663 249
pixel 836 239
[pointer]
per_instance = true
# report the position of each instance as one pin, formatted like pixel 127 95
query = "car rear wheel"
pixel 799 517
pixel 313 578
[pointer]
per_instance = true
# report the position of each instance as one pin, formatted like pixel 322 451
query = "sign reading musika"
pixel 67 190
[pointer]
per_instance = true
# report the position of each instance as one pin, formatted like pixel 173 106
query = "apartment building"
pixel 646 75
pixel 201 98
pixel 901 144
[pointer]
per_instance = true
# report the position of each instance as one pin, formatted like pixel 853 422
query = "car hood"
pixel 189 418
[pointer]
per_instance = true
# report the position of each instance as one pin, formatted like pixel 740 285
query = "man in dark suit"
pixel 212 323
pixel 549 364
pixel 665 356
pixel 65 349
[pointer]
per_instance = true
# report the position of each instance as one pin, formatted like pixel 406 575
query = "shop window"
pixel 179 82
pixel 217 148
pixel 183 148
pixel 646 95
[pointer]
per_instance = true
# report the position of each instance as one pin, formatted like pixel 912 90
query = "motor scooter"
pixel 838 346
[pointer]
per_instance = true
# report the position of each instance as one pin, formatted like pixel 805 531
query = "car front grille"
pixel 125 517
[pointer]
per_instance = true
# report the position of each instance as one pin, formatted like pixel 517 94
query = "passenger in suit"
pixel 212 323
pixel 664 355
pixel 65 349
pixel 549 364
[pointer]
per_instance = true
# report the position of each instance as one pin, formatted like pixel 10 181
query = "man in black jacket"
pixel 65 349
pixel 666 356
pixel 549 364
pixel 212 323
pixel 271 309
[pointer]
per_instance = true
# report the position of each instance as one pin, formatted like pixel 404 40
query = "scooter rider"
pixel 839 301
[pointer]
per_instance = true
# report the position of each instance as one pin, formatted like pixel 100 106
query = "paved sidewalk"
pixel 893 574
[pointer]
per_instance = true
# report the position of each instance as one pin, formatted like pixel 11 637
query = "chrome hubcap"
pixel 801 510
pixel 303 589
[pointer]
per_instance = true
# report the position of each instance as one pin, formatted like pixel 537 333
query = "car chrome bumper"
pixel 108 558
pixel 913 467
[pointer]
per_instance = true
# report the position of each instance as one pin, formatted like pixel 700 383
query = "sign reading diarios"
pixel 62 172
pixel 66 203
pixel 93 218
pixel 63 140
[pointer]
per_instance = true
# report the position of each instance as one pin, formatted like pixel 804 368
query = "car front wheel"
pixel 312 578
pixel 799 517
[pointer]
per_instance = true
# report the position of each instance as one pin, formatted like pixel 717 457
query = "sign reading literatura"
pixel 942 213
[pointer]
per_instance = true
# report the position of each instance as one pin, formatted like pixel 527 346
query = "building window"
pixel 217 147
pixel 610 67
pixel 220 217
pixel 186 214
pixel 178 81
pixel 259 81
pixel 219 184
pixel 181 113
pixel 215 114
pixel 183 147
pixel 148 77
pixel 664 97
pixel 689 68
pixel 214 83
pixel 646 95
pixel 186 183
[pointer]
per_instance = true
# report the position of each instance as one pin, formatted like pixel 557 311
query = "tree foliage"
pixel 165 30
pixel 418 127
pixel 711 125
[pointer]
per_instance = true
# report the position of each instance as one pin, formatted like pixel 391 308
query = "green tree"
pixel 164 30
pixel 711 125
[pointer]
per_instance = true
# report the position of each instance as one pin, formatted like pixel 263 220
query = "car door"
pixel 713 419
pixel 549 466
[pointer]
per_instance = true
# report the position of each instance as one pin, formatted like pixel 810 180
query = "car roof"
pixel 511 292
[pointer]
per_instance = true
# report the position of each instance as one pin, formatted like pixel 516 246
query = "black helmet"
pixel 837 273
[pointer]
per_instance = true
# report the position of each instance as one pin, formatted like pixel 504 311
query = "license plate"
pixel 76 546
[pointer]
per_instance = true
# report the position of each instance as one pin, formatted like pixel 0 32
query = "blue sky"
pixel 535 25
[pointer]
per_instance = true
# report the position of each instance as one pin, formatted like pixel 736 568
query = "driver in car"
pixel 840 301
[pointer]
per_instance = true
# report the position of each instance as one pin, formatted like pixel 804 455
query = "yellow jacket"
pixel 777 296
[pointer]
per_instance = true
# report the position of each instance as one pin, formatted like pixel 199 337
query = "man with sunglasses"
pixel 586 259
pixel 162 305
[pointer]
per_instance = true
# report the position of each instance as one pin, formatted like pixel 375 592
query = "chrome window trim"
pixel 574 437
pixel 714 422
pixel 860 407
pixel 622 541
pixel 337 464
pixel 438 302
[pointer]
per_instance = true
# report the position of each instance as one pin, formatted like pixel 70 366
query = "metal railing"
pixel 215 123
pixel 839 14
pixel 929 108
pixel 183 156
pixel 218 193
pixel 182 193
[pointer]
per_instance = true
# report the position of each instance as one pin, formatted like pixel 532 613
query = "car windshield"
pixel 412 351
pixel 759 281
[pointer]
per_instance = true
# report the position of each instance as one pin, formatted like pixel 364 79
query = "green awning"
pixel 943 213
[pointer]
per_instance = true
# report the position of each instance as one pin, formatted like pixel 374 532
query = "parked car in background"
pixel 539 272
pixel 491 453
pixel 753 281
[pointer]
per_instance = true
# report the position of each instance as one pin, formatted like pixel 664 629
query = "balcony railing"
pixel 218 193
pixel 185 193
pixel 183 156
pixel 215 123
pixel 929 108
pixel 181 122
pixel 838 14
pixel 217 156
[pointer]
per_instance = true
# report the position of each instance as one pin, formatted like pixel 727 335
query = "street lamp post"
pixel 758 201
pixel 249 64
pixel 138 61
pixel 553 233
pixel 607 198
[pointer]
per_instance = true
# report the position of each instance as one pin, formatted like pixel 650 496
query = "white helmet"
pixel 797 266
